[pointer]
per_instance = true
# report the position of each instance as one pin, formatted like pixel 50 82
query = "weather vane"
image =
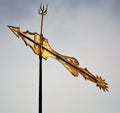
pixel 42 48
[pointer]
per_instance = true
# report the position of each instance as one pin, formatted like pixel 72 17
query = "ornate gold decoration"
pixel 41 47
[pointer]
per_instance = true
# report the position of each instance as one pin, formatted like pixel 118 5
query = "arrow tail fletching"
pixel 73 67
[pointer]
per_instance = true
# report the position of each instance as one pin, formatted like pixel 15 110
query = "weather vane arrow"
pixel 69 62
pixel 42 48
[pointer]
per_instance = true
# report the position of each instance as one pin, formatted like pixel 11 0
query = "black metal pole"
pixel 40 84
pixel 42 11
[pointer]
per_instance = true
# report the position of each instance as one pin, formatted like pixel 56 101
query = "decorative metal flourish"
pixel 42 11
pixel 70 63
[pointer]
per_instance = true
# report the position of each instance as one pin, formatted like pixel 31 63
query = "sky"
pixel 88 30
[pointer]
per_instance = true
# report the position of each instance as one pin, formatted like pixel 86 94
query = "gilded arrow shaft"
pixel 62 58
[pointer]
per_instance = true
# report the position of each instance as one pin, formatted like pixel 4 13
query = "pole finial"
pixel 42 11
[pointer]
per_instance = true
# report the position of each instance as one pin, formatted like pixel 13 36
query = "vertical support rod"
pixel 42 11
pixel 40 84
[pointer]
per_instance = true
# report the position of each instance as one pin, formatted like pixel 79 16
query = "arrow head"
pixel 15 30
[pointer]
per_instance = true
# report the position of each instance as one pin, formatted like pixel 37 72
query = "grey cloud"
pixel 14 9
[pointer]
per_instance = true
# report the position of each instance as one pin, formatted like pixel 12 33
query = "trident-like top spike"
pixel 42 11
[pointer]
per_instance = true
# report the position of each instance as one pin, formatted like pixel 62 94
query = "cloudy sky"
pixel 88 30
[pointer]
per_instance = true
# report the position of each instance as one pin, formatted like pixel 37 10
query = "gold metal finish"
pixel 70 63
pixel 43 12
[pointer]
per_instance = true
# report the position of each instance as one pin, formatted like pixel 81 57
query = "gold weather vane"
pixel 69 62
pixel 41 47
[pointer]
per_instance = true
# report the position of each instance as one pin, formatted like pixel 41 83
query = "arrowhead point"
pixel 14 30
